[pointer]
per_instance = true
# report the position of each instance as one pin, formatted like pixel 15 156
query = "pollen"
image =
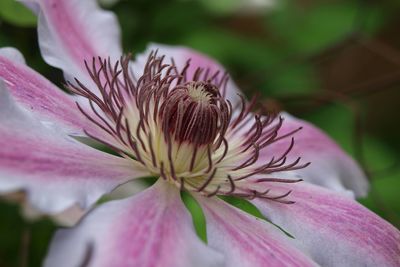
pixel 200 92
pixel 183 129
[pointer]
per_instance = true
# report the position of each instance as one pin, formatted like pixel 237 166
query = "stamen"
pixel 183 129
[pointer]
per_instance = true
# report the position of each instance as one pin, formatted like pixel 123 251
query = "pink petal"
pixel 71 31
pixel 38 95
pixel 247 241
pixel 152 228
pixel 55 170
pixel 335 230
pixel 180 56
pixel 330 166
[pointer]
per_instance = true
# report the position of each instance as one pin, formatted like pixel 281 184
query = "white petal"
pixel 35 93
pixel 152 228
pixel 335 230
pixel 54 169
pixel 71 31
pixel 247 241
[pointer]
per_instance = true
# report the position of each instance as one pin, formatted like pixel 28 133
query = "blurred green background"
pixel 334 63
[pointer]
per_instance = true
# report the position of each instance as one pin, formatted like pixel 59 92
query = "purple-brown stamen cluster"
pixel 196 119
pixel 183 129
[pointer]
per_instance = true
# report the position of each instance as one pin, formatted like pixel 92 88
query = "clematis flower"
pixel 173 113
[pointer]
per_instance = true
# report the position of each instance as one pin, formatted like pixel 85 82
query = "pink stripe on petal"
pixel 55 170
pixel 247 241
pixel 38 95
pixel 181 55
pixel 335 230
pixel 151 229
pixel 71 31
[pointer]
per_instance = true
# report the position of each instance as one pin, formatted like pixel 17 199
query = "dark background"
pixel 334 63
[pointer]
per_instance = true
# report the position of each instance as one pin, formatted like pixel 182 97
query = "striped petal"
pixel 246 241
pixel 152 228
pixel 333 229
pixel 35 93
pixel 71 31
pixel 55 170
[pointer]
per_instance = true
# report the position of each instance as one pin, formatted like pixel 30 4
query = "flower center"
pixel 202 92
pixel 194 113
pixel 183 130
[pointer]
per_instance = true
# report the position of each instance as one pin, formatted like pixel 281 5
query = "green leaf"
pixel 14 230
pixel 381 161
pixel 243 205
pixel 220 6
pixel 311 28
pixel 15 13
pixel 261 64
pixel 198 217
pixel 292 79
